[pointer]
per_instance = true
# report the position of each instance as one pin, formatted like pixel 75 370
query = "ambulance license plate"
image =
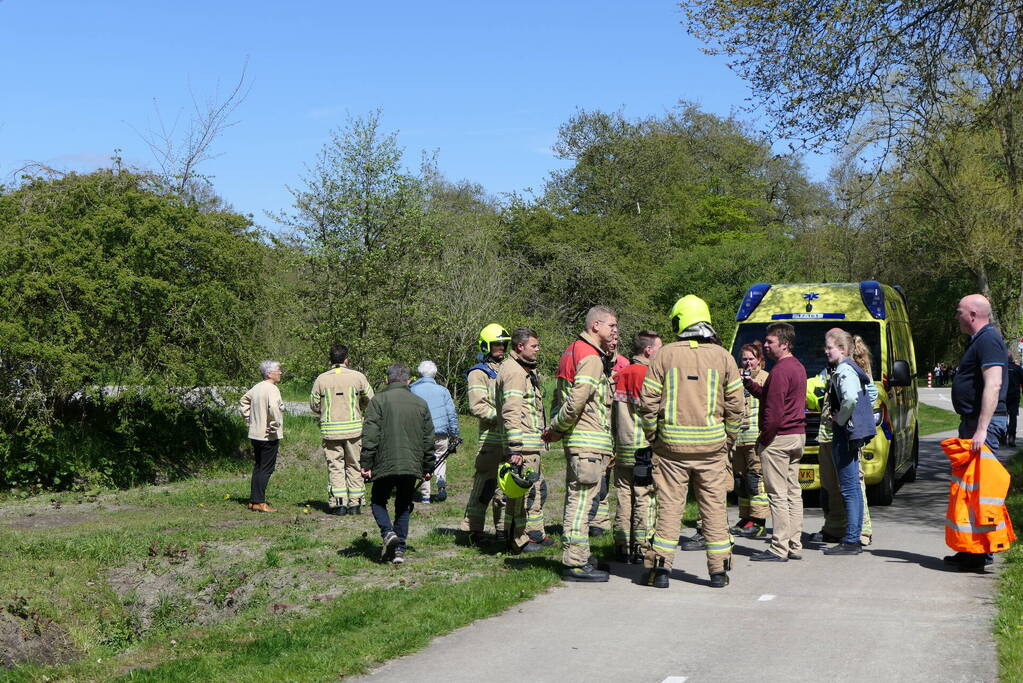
pixel 805 476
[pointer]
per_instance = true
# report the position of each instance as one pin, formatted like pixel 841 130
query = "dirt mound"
pixel 26 637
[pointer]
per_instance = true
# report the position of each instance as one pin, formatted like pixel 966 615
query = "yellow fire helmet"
pixel 514 481
pixel 492 334
pixel 688 311
pixel 815 390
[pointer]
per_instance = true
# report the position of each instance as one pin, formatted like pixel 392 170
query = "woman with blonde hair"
pixel 852 424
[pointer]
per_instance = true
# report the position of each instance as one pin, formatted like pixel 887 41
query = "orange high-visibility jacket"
pixel 977 520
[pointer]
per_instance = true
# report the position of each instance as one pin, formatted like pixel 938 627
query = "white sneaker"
pixel 389 545
pixel 399 557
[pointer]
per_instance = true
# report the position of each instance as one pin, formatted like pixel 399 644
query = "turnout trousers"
pixel 345 485
pixel 602 517
pixel 753 502
pixel 484 490
pixel 523 519
pixel 584 472
pixel 709 475
pixel 831 498
pixel 634 517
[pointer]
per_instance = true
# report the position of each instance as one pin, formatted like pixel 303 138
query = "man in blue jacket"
pixel 445 427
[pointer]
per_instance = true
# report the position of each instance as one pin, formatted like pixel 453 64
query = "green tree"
pixel 107 282
pixel 364 225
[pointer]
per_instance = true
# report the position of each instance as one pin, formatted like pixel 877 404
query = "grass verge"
pixel 1009 622
pixel 933 420
pixel 182 582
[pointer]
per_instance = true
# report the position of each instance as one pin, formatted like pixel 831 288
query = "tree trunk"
pixel 984 285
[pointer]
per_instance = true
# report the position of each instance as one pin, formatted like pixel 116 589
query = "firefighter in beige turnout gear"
pixel 754 506
pixel 634 517
pixel 520 404
pixel 482 384
pixel 581 414
pixel 691 407
pixel 339 396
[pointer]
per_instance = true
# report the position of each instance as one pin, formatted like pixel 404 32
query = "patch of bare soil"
pixel 56 515
pixel 26 637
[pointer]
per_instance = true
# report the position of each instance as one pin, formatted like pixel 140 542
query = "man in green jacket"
pixel 397 449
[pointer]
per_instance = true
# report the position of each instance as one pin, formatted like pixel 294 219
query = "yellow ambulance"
pixel 879 314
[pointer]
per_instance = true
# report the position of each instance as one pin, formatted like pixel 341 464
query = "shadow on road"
pixel 902 556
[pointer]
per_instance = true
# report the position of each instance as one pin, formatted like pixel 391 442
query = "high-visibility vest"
pixel 977 520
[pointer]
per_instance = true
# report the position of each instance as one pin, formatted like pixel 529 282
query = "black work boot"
pixel 354 510
pixel 586 574
pixel 531 547
pixel 695 542
pixel 719 580
pixel 339 510
pixel 658 577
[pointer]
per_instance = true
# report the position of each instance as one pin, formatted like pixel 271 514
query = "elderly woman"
pixel 263 410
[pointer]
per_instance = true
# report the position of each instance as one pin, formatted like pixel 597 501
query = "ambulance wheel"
pixel 883 492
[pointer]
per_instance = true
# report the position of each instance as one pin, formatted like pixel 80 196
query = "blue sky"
pixel 485 84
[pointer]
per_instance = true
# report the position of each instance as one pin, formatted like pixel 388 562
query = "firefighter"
pixel 581 414
pixel 634 515
pixel 482 381
pixel 520 406
pixel 753 504
pixel 691 407
pixel 601 522
pixel 339 396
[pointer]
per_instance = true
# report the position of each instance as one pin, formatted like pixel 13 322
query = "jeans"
pixel 403 486
pixel 995 432
pixel 846 454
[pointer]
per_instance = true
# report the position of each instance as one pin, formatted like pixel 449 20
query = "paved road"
pixel 892 613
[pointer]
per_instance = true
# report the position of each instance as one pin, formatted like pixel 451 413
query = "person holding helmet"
pixel 634 517
pixel 581 414
pixel 520 405
pixel 691 407
pixel 482 383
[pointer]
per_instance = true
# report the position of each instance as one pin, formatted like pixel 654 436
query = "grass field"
pixel 182 582
pixel 1009 623
pixel 933 420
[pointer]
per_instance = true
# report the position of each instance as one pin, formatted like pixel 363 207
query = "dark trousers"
pixel 403 486
pixel 264 461
pixel 1011 431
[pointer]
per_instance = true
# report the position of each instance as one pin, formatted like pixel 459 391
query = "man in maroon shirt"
pixel 780 445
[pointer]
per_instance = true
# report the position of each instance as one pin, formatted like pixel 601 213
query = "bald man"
pixel 979 387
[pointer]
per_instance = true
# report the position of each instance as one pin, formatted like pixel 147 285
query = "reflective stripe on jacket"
pixel 977 520
pixel 482 380
pixel 582 402
pixel 339 396
pixel 750 428
pixel 628 430
pixel 520 404
pixel 692 398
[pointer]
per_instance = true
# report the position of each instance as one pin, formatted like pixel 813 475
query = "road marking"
pixel 674 679
pixel 765 597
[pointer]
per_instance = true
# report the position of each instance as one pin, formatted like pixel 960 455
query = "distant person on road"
pixel 445 428
pixel 1012 394
pixel 852 425
pixel 263 410
pixel 781 441
pixel 338 397
pixel 397 449
pixel 978 394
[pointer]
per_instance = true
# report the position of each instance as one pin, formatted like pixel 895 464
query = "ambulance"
pixel 877 313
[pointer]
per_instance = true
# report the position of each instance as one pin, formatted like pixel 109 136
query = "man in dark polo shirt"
pixel 979 386
pixel 780 444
